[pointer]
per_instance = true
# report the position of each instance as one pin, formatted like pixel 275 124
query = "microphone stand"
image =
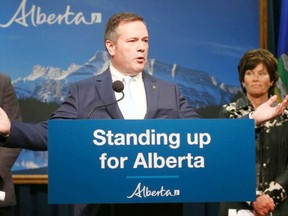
pixel 105 105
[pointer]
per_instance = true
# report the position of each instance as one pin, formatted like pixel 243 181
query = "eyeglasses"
pixel 259 74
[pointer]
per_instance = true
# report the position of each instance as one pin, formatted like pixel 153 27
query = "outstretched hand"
pixel 266 111
pixel 5 124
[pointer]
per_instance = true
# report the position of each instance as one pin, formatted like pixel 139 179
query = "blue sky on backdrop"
pixel 203 35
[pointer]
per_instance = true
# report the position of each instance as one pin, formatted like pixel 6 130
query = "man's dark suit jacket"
pixel 163 102
pixel 9 103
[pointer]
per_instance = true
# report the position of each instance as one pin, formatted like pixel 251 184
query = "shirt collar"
pixel 117 75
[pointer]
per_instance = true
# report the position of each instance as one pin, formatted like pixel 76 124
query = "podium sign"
pixel 151 161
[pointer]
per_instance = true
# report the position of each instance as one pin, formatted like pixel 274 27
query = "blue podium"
pixel 151 161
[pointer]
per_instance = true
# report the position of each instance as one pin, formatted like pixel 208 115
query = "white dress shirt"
pixel 139 108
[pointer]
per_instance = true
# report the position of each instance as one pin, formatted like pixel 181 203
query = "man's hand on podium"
pixel 5 124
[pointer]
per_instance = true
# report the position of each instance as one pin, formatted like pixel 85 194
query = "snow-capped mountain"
pixel 50 84
pixel 200 88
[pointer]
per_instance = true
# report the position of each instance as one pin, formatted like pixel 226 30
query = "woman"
pixel 258 76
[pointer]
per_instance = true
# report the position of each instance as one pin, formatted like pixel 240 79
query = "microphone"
pixel 117 86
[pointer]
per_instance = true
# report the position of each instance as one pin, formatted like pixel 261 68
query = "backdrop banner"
pixel 151 161
pixel 45 45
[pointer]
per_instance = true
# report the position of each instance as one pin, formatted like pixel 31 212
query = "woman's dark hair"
pixel 252 58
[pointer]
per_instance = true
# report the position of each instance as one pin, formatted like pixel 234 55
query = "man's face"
pixel 129 53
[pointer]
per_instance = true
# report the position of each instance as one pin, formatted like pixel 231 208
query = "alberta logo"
pixel 142 191
pixel 35 17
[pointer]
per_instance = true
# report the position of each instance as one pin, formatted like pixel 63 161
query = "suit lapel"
pixel 107 96
pixel 151 95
